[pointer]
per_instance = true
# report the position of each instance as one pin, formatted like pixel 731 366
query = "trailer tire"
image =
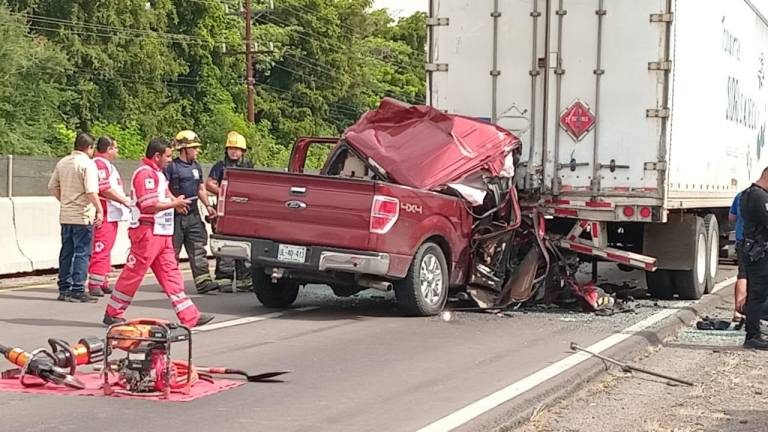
pixel 660 284
pixel 277 295
pixel 424 290
pixel 691 284
pixel 712 230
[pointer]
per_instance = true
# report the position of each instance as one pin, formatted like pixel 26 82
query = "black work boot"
pixel 204 319
pixel 108 320
pixel 82 297
pixel 207 287
pixel 96 292
pixel 757 343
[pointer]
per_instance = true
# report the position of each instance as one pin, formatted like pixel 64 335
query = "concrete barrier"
pixel 11 258
pixel 38 230
pixel 35 241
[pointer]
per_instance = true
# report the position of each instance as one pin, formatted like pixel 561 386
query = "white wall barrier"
pixel 33 243
pixel 11 258
pixel 38 231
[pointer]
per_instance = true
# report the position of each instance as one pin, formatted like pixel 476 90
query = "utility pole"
pixel 249 61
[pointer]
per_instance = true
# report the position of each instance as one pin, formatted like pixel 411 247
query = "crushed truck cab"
pixel 379 215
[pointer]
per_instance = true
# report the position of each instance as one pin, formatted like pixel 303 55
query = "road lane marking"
pixel 492 401
pixel 248 320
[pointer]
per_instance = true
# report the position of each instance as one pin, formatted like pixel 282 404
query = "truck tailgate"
pixel 298 209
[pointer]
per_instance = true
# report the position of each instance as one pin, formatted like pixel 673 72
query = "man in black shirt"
pixel 234 157
pixel 754 210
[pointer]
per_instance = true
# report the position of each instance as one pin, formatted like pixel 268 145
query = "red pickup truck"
pixel 378 215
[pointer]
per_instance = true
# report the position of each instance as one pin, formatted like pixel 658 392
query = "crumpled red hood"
pixel 424 148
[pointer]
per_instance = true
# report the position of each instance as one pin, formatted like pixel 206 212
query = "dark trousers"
pixel 74 257
pixel 225 269
pixel 757 293
pixel 189 231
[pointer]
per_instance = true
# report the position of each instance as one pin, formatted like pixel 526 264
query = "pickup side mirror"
pixel 301 149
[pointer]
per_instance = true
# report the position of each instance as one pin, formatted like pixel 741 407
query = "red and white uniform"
pixel 151 236
pixel 104 236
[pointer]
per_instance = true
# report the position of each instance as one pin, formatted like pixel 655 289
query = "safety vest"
pixel 163 220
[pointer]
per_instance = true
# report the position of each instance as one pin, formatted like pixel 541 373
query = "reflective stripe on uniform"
pixel 183 305
pixel 116 305
pixel 203 278
pixel 120 296
pixel 177 297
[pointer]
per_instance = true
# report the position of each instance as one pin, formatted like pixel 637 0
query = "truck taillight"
pixel 384 213
pixel 222 199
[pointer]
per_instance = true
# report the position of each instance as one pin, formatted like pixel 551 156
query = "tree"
pixel 32 77
pixel 141 68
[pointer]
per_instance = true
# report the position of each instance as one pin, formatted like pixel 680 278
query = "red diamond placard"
pixel 577 120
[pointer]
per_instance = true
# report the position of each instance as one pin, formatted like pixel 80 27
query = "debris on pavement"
pixel 627 367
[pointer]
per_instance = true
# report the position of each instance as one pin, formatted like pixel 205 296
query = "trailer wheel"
pixel 273 295
pixel 660 284
pixel 692 283
pixel 712 230
pixel 424 290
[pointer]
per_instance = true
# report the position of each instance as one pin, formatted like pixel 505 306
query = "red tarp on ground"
pixel 422 147
pixel 93 382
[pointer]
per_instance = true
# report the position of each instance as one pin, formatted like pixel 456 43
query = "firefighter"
pixel 115 206
pixel 234 157
pixel 185 177
pixel 151 236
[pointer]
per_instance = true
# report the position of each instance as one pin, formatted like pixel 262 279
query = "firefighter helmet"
pixel 236 140
pixel 186 139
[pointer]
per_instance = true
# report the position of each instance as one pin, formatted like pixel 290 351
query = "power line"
pixel 163 35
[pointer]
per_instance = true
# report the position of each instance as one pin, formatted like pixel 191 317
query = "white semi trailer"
pixel 641 119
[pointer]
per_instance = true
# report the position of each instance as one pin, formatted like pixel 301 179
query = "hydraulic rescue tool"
pixel 56 365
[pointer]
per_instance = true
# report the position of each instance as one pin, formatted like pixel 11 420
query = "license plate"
pixel 296 254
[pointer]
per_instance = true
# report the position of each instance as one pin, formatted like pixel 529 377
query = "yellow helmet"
pixel 186 139
pixel 236 140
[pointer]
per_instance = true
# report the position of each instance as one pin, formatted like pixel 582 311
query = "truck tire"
pixel 660 284
pixel 692 283
pixel 712 230
pixel 424 290
pixel 273 295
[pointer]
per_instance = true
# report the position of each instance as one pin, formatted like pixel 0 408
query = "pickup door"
pixel 298 209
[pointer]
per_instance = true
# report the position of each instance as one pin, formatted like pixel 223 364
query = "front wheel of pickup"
pixel 424 290
pixel 278 295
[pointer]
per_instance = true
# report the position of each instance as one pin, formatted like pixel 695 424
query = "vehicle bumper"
pixel 263 253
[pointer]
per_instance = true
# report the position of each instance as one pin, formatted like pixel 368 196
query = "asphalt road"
pixel 356 364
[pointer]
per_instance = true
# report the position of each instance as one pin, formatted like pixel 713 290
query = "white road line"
pixel 247 320
pixel 492 401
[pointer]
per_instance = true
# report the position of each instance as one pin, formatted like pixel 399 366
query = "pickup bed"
pixel 351 233
pixel 354 226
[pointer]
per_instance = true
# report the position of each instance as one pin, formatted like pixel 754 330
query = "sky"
pixel 401 8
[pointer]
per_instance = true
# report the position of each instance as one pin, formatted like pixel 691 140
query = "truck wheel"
pixel 274 295
pixel 660 284
pixel 424 290
pixel 692 283
pixel 712 230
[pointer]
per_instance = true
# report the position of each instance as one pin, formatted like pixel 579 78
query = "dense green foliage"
pixel 140 68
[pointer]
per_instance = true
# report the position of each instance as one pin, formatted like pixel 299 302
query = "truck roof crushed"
pixel 512 259
pixel 421 147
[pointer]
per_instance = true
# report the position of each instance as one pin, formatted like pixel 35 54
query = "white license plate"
pixel 296 254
